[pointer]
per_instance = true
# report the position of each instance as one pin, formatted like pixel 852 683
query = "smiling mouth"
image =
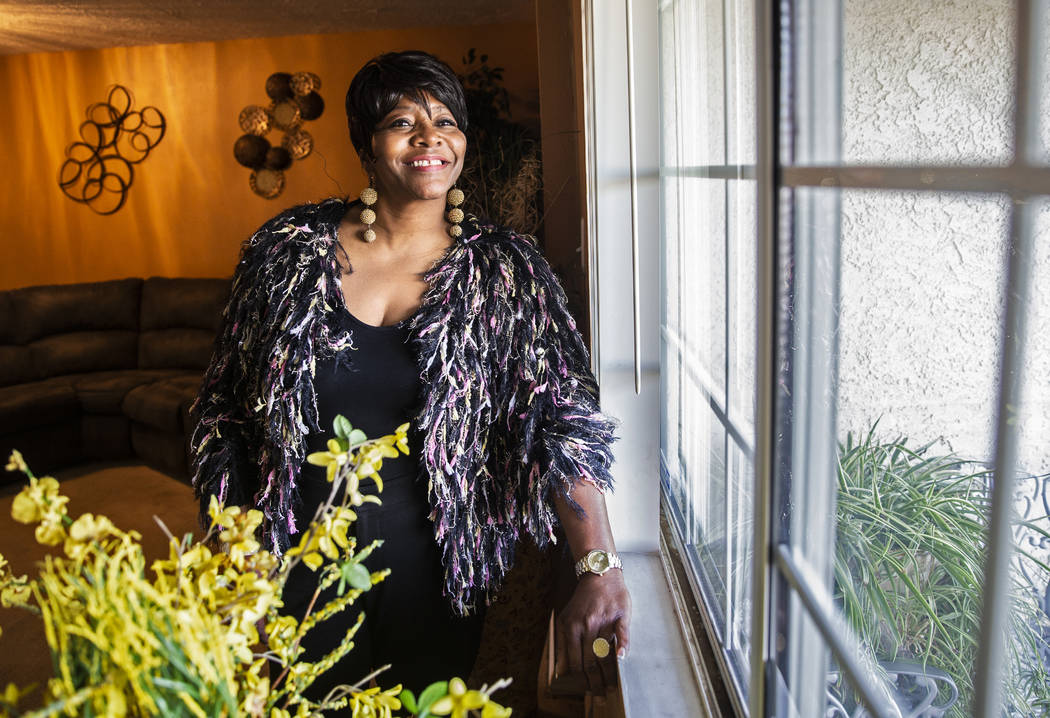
pixel 427 163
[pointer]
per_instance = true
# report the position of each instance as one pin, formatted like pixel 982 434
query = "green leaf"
pixel 408 700
pixel 430 694
pixel 359 577
pixel 342 426
pixel 357 436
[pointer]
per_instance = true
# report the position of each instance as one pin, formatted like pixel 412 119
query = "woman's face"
pixel 418 151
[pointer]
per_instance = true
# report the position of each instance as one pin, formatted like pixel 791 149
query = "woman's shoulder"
pixel 302 221
pixel 485 235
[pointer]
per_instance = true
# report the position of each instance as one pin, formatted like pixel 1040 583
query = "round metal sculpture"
pixel 295 99
pixel 254 120
pixel 250 150
pixel 303 83
pixel 98 169
pixel 286 115
pixel 299 143
pixel 278 158
pixel 266 182
pixel 310 106
pixel 278 86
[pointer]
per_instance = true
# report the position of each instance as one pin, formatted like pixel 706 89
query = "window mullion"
pixel 1031 19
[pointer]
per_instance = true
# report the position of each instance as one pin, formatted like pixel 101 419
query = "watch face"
pixel 598 561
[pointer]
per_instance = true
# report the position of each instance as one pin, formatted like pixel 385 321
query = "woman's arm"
pixel 600 605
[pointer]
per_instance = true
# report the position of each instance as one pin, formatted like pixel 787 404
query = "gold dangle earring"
pixel 368 215
pixel 455 215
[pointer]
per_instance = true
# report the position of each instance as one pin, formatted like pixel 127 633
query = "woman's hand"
pixel 600 607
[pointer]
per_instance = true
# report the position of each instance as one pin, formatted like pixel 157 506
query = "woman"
pixel 403 311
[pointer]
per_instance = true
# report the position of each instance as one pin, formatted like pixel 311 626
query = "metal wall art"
pixel 98 169
pixel 294 99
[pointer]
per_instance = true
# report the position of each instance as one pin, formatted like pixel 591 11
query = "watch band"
pixel 598 562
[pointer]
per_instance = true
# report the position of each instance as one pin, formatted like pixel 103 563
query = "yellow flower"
pixel 89 528
pixel 34 500
pixel 401 437
pixel 50 531
pixel 255 700
pixel 86 530
pixel 17 463
pixel 239 535
pixel 495 710
pixel 333 458
pixel 372 702
pixel 10 696
pixel 15 592
pixel 458 701
pixel 309 546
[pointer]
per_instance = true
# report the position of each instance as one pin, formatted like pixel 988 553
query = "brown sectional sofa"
pixel 105 370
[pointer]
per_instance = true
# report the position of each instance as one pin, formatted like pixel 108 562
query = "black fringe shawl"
pixel 510 411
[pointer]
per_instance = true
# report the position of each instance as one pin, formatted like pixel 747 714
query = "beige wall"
pixel 190 207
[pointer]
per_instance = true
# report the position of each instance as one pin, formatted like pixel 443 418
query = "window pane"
pixel 740 81
pixel 702 82
pixel 921 311
pixel 915 326
pixel 927 82
pixel 703 280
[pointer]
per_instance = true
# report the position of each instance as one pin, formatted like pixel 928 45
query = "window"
pixel 708 315
pixel 855 342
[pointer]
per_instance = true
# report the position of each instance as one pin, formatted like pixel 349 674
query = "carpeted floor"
pixel 130 495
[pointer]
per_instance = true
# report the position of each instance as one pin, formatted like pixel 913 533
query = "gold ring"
pixel 600 647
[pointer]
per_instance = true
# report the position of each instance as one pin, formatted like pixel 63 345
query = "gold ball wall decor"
pixel 285 115
pixel 267 183
pixel 299 143
pixel 303 83
pixel 295 99
pixel 254 120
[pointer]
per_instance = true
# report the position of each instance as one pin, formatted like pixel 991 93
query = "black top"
pixel 376 386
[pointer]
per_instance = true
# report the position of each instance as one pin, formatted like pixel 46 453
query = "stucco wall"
pixel 922 274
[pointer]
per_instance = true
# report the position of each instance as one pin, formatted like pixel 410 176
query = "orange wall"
pixel 190 207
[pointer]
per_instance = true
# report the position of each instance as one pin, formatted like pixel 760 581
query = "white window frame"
pixel 626 287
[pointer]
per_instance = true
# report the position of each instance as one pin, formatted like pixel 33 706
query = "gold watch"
pixel 598 561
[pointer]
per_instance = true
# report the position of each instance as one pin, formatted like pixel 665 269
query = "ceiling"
pixel 48 26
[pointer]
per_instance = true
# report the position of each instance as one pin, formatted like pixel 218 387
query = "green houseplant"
pixel 909 565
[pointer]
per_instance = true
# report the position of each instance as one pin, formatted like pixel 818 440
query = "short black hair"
pixel 384 80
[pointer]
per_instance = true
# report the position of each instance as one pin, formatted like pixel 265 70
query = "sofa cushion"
pixel 46 447
pixel 16 365
pixel 37 403
pixel 78 352
pixel 54 309
pixel 183 302
pixel 160 404
pixel 103 392
pixel 176 348
pixel 106 436
pixel 7 321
